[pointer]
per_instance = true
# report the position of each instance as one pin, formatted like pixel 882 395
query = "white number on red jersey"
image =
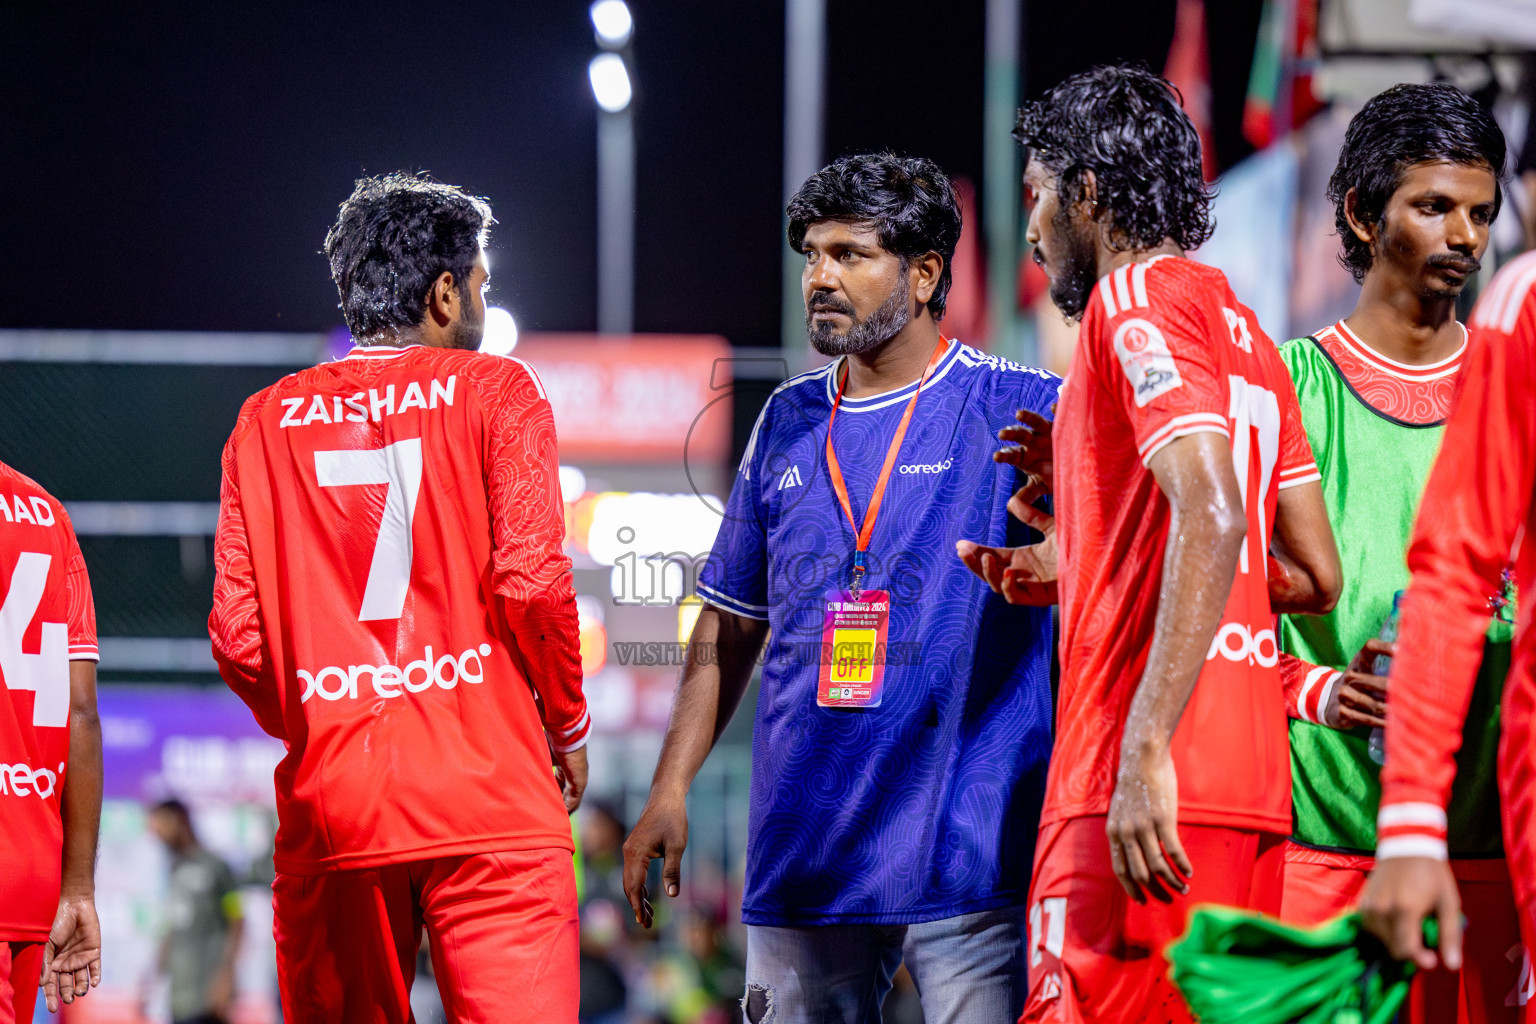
pixel 1047 928
pixel 1255 416
pixel 46 673
pixel 399 466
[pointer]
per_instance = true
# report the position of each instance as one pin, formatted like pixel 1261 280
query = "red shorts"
pixel 21 965
pixel 1096 957
pixel 1320 884
pixel 502 927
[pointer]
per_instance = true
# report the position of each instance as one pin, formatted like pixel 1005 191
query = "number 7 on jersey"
pixel 399 466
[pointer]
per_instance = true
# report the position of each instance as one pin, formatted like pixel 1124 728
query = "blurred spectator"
pixel 202 938
pixel 602 840
pixel 722 976
pixel 604 993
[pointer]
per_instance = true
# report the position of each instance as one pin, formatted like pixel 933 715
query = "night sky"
pixel 176 166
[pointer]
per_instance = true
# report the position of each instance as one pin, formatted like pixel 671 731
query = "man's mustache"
pixel 1463 264
pixel 828 304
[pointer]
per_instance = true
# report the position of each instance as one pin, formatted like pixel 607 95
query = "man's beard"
pixel 862 335
pixel 468 331
pixel 1079 272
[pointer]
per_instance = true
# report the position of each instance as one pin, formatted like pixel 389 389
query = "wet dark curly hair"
pixel 908 198
pixel 1125 125
pixel 393 237
pixel 1403 126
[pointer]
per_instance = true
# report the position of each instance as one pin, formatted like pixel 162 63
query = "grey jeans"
pixel 968 970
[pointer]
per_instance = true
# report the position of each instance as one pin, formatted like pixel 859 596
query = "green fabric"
pixel 1374 471
pixel 1237 967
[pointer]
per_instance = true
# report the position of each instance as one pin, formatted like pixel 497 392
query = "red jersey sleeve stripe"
pixel 1179 426
pixel 1427 816
pixel 1316 692
pixel 1106 293
pixel 1304 475
pixel 1411 846
pixel 1411 830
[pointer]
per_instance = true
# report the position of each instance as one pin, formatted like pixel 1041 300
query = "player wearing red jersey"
pixel 392 602
pixel 1476 517
pixel 1179 449
pixel 50 756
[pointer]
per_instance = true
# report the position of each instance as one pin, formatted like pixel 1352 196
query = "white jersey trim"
pixel 377 351
pixel 869 403
pixel 1191 423
pixel 1299 475
pixel 1312 710
pixel 1421 815
pixel 1412 846
pixel 730 604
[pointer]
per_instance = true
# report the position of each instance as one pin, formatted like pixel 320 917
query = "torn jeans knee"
pixel 757 1007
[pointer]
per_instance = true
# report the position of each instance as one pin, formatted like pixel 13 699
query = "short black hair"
pixel 172 806
pixel 1407 125
pixel 394 236
pixel 909 199
pixel 1124 124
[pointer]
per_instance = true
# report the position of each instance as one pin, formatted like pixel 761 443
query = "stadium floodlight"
pixel 610 82
pixel 612 20
pixel 500 336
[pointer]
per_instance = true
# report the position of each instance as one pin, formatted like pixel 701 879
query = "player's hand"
pixel 72 954
pixel 1360 699
pixel 1143 828
pixel 571 774
pixel 1022 575
pixel 1029 447
pixel 1399 895
pixel 662 831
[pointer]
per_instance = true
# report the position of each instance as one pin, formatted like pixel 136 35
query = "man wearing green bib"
pixel 1415 193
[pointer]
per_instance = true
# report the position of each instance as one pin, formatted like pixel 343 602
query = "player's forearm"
pixel 549 642
pixel 82 785
pixel 1305 577
pixel 1198 566
pixel 1295 591
pixel 1307 688
pixel 717 668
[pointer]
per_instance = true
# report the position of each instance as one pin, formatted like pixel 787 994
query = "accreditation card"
pixel 853 649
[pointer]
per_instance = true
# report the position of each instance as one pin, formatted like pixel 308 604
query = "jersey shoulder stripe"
pixel 1499 309
pixel 975 359
pixel 808 377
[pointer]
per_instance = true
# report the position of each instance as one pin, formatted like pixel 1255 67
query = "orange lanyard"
pixel 862 534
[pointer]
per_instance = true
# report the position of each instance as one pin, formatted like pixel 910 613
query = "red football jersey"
pixel 1166 350
pixel 47 620
pixel 1476 518
pixel 392 601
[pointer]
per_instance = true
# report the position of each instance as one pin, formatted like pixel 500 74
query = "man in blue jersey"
pixel 903 724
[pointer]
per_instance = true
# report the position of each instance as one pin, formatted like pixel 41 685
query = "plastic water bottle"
pixel 1377 745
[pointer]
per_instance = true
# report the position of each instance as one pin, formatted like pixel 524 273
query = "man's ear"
pixel 926 270
pixel 443 300
pixel 1363 231
pixel 1088 193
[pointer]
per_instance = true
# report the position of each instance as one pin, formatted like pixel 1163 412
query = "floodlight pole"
pixel 616 221
pixel 1002 175
pixel 805 59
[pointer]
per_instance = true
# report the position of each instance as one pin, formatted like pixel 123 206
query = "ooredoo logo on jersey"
pixel 336 683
